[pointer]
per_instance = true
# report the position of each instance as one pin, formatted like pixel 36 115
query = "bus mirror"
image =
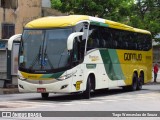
pixel 16 38
pixel 71 39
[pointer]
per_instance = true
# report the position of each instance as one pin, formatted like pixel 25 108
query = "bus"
pixel 81 54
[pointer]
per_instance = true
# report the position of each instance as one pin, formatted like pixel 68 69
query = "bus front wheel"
pixel 44 95
pixel 87 92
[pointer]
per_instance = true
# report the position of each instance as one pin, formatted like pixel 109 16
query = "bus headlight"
pixel 21 77
pixel 64 77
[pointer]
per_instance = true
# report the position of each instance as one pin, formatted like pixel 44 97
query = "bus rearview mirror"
pixel 70 39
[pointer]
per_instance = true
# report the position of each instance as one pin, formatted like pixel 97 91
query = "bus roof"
pixel 71 20
pixel 60 21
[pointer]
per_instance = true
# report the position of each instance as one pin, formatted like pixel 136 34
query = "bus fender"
pixel 93 80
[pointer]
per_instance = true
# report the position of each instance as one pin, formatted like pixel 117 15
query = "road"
pixel 147 99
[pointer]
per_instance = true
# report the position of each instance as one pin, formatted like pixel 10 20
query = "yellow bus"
pixel 80 54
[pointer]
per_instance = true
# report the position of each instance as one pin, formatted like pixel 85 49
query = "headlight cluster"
pixel 21 77
pixel 65 77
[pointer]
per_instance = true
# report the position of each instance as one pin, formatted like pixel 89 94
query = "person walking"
pixel 155 72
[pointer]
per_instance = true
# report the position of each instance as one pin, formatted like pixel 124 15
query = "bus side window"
pixel 90 44
pixel 100 38
pixel 109 40
pixel 93 40
pixel 80 42
pixel 76 55
pixel 78 50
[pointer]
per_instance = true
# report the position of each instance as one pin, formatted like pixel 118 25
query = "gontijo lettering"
pixel 132 56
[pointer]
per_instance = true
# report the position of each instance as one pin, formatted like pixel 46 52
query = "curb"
pixel 10 89
pixel 153 83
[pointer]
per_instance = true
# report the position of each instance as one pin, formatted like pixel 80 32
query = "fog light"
pixel 21 86
pixel 64 86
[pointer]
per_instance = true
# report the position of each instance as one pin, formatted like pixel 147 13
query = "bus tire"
pixel 133 87
pixel 44 95
pixel 140 81
pixel 87 92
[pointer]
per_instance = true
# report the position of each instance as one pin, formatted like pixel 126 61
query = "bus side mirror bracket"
pixel 70 39
pixel 16 38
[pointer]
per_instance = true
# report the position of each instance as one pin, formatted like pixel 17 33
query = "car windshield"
pixel 44 49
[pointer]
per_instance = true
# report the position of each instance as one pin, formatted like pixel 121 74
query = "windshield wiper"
pixel 47 58
pixel 37 58
pixel 62 54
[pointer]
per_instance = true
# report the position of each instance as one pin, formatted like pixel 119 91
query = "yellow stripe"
pixel 51 22
pixel 120 26
pixel 66 21
pixel 34 76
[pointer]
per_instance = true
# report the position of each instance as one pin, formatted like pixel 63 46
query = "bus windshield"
pixel 44 49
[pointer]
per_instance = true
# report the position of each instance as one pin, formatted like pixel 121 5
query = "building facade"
pixel 156 54
pixel 14 14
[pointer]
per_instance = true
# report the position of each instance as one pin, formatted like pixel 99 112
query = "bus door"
pixel 77 60
pixel 78 55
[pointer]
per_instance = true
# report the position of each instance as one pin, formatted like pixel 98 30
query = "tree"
pixel 142 14
pixel 146 15
pixel 100 8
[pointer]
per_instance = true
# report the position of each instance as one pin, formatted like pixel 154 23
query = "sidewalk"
pixel 158 78
pixel 153 83
pixel 11 89
pixel 8 90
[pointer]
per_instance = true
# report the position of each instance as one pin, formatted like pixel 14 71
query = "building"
pixel 47 11
pixel 156 50
pixel 14 14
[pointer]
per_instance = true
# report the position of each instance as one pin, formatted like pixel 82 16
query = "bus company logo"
pixel 132 56
pixel 32 76
pixel 6 114
pixel 93 58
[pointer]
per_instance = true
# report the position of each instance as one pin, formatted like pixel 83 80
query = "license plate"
pixel 41 90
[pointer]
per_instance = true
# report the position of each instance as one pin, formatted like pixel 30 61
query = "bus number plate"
pixel 41 90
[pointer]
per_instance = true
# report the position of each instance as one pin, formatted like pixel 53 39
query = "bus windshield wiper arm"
pixel 46 57
pixel 61 57
pixel 37 58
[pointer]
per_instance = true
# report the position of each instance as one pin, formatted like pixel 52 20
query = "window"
pixel 8 30
pixel 93 41
pixel 9 4
pixel 104 37
pixel 2 45
pixel 79 43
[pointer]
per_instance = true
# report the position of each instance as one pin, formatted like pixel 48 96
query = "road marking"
pixel 109 100
pixel 13 105
pixel 66 104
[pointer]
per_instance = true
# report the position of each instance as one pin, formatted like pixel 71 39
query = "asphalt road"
pixel 147 99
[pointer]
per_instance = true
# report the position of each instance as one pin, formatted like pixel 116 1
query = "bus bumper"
pixel 56 87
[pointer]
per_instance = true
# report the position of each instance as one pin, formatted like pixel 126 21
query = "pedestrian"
pixel 155 72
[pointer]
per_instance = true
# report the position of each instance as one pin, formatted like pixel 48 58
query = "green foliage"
pixel 56 4
pixel 144 14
